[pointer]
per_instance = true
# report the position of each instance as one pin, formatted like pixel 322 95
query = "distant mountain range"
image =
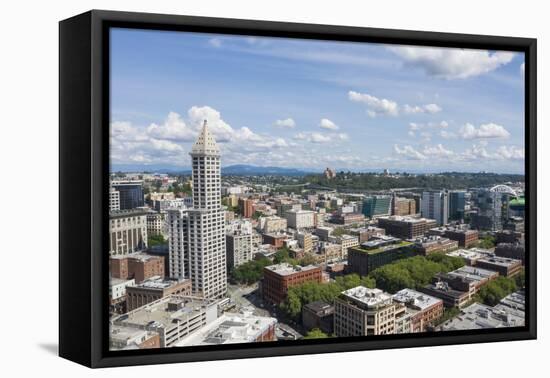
pixel 238 169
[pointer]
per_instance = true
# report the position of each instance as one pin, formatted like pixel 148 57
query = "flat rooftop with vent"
pixel 480 316
pixel 286 269
pixel 415 299
pixel 473 274
pixel 233 328
pixel 165 312
pixel 364 296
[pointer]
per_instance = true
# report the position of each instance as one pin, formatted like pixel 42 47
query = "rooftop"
pixel 127 213
pixel 432 239
pixel 121 337
pixel 319 306
pixel 372 298
pixel 285 269
pixel 467 254
pixel 408 219
pixel 472 273
pixel 230 328
pixel 126 182
pixel 142 257
pixel 500 261
pixel 164 312
pixel 157 283
pixel 119 281
pixel 513 303
pixel 480 316
pixel 462 228
pixel 444 288
pixel 415 299
pixel 300 211
pixel 377 246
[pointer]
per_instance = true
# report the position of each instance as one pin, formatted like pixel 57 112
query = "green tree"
pixel 282 255
pixel 153 240
pixel 520 279
pixel 413 272
pixel 487 242
pixel 308 259
pixel 300 295
pixel 339 231
pixel 316 333
pixel 491 293
pixel 249 272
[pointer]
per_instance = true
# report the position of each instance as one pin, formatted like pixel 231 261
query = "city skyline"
pixel 311 104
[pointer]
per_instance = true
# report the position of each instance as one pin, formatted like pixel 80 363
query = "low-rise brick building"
pixel 153 289
pixel 137 266
pixel 279 278
pixel 426 309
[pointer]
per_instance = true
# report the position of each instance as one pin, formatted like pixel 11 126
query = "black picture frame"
pixel 84 167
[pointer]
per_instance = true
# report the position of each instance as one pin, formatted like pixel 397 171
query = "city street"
pixel 249 298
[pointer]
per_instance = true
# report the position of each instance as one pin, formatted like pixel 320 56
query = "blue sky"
pixel 313 104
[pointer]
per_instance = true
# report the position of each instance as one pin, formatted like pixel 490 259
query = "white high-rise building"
pixel 435 205
pixel 197 235
pixel 207 265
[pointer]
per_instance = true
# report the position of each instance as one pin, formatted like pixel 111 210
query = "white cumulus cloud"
pixel 511 152
pixel 173 128
pixel 452 63
pixel 288 123
pixel 375 105
pixel 328 124
pixel 485 131
pixel 409 152
pixel 419 109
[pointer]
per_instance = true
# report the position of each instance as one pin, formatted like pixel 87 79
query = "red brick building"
pixel 278 278
pixel 426 308
pixel 276 240
pixel 139 266
pixel 152 290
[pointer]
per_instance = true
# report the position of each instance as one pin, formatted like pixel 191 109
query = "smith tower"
pixel 206 221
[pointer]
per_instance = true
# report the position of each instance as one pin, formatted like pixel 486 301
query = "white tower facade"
pixel 206 221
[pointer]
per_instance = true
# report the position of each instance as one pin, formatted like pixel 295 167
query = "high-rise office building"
pixel 130 193
pixel 457 205
pixel 435 205
pixel 377 206
pixel 207 265
pixel 489 210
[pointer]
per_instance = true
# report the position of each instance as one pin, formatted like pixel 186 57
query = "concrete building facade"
pixel 127 232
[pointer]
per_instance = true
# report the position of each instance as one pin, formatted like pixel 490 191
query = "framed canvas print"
pixel 234 188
